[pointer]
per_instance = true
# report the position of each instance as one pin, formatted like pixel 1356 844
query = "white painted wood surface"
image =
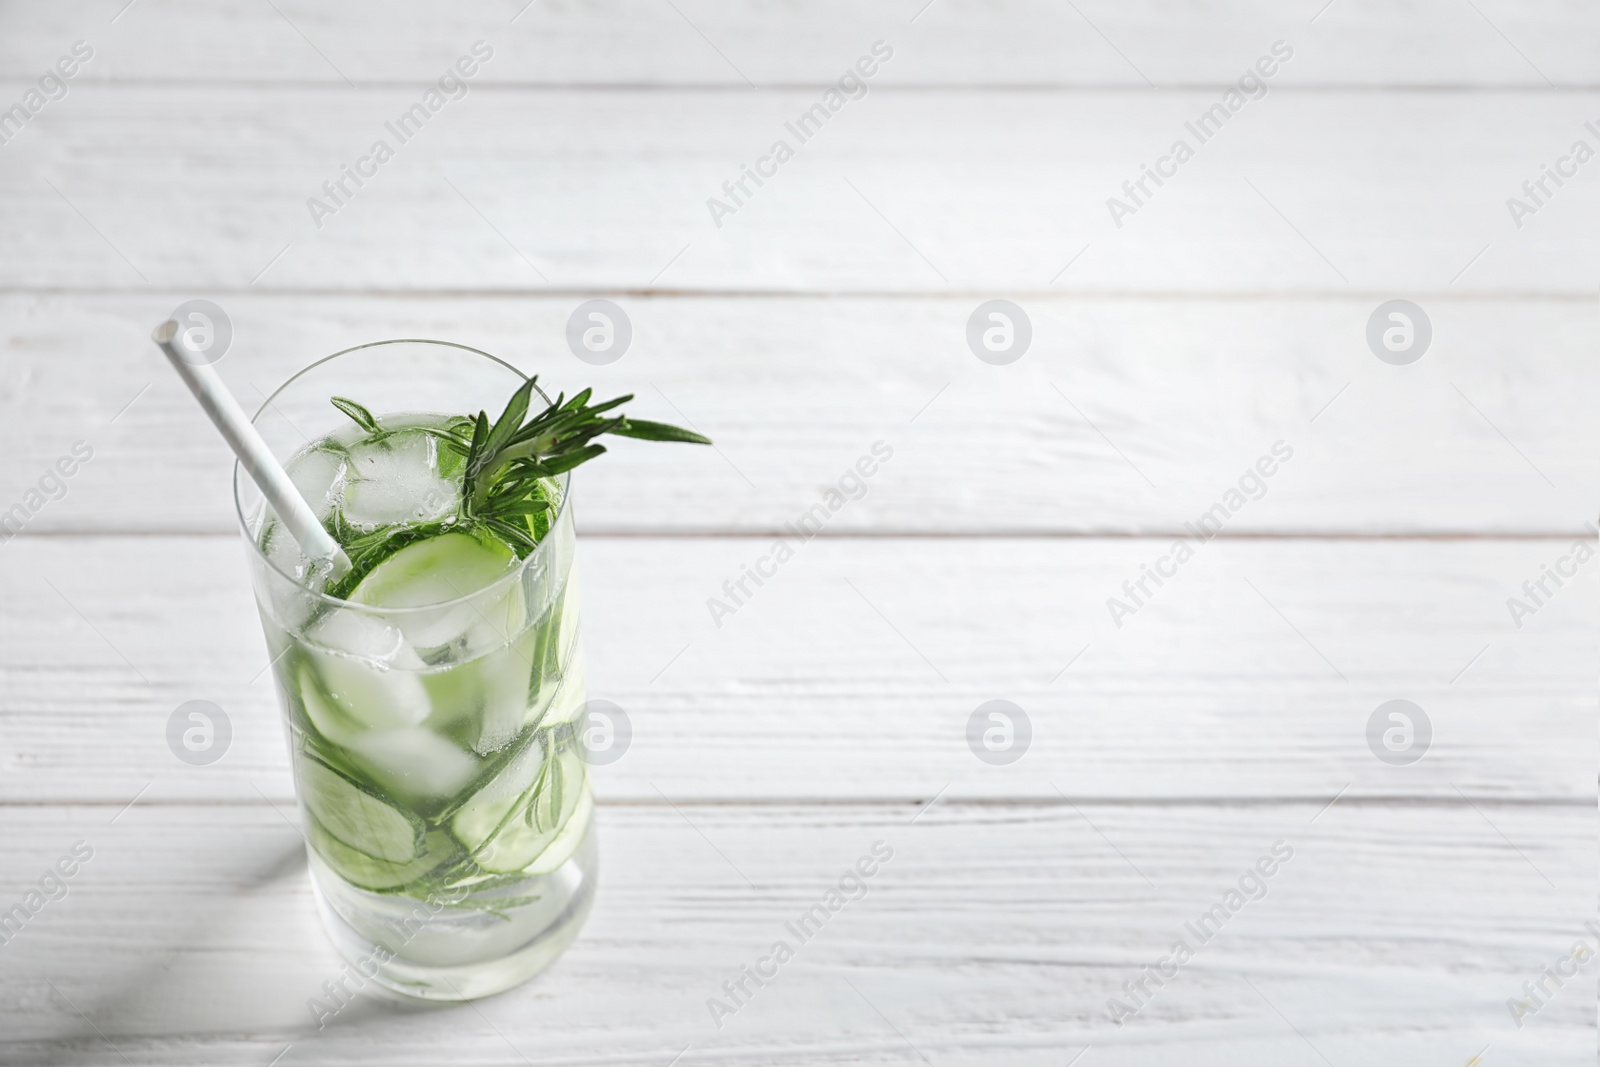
pixel 808 693
pixel 994 935
pixel 978 43
pixel 828 713
pixel 522 189
pixel 1127 415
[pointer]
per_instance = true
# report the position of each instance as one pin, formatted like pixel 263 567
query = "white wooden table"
pixel 829 312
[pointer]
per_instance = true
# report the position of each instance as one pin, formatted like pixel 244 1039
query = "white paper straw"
pixel 254 455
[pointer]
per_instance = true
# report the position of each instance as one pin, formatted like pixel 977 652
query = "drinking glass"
pixel 436 755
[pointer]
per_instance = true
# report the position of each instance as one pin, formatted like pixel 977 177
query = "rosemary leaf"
pixel 360 416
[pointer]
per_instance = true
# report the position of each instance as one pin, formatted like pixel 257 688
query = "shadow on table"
pixel 210 979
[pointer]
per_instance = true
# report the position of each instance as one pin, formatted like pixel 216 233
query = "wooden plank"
pixel 949 42
pixel 1375 194
pixel 1124 416
pixel 854 671
pixel 830 711
pixel 1392 935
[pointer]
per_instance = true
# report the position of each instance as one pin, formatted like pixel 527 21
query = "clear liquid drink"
pixel 432 701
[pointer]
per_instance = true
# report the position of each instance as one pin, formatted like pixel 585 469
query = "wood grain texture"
pixel 829 711
pixel 854 671
pixel 966 43
pixel 1393 935
pixel 1382 195
pixel 1125 416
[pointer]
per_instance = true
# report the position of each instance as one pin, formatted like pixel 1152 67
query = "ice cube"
pixel 289 602
pixel 414 761
pixel 504 676
pixel 370 670
pixel 467 628
pixel 281 550
pixel 365 636
pixel 318 473
pixel 396 480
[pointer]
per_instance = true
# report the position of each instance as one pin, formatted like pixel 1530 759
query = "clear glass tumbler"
pixel 442 786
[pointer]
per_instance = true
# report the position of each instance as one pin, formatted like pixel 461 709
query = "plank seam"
pixel 711 293
pixel 920 803
pixel 887 88
pixel 762 534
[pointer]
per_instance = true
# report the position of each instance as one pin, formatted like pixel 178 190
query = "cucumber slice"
pixel 490 661
pixel 327 717
pixel 565 843
pixel 557 685
pixel 357 817
pixel 477 820
pixel 545 658
pixel 568 700
pixel 409 762
pixel 369 872
pixel 435 573
pixel 538 817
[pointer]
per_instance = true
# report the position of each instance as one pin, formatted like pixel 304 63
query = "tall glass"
pixel 435 748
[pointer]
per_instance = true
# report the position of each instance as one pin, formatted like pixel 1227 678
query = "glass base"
pixel 436 950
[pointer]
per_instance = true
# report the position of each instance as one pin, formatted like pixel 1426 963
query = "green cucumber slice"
pixel 435 571
pixel 565 843
pixel 409 763
pixel 371 873
pixel 440 570
pixel 357 817
pixel 534 820
pixel 475 822
pixel 326 716
pixel 567 701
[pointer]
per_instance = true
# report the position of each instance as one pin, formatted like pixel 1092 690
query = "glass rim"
pixel 239 478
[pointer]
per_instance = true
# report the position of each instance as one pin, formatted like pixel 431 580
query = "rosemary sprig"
pixel 507 462
pixel 504 469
